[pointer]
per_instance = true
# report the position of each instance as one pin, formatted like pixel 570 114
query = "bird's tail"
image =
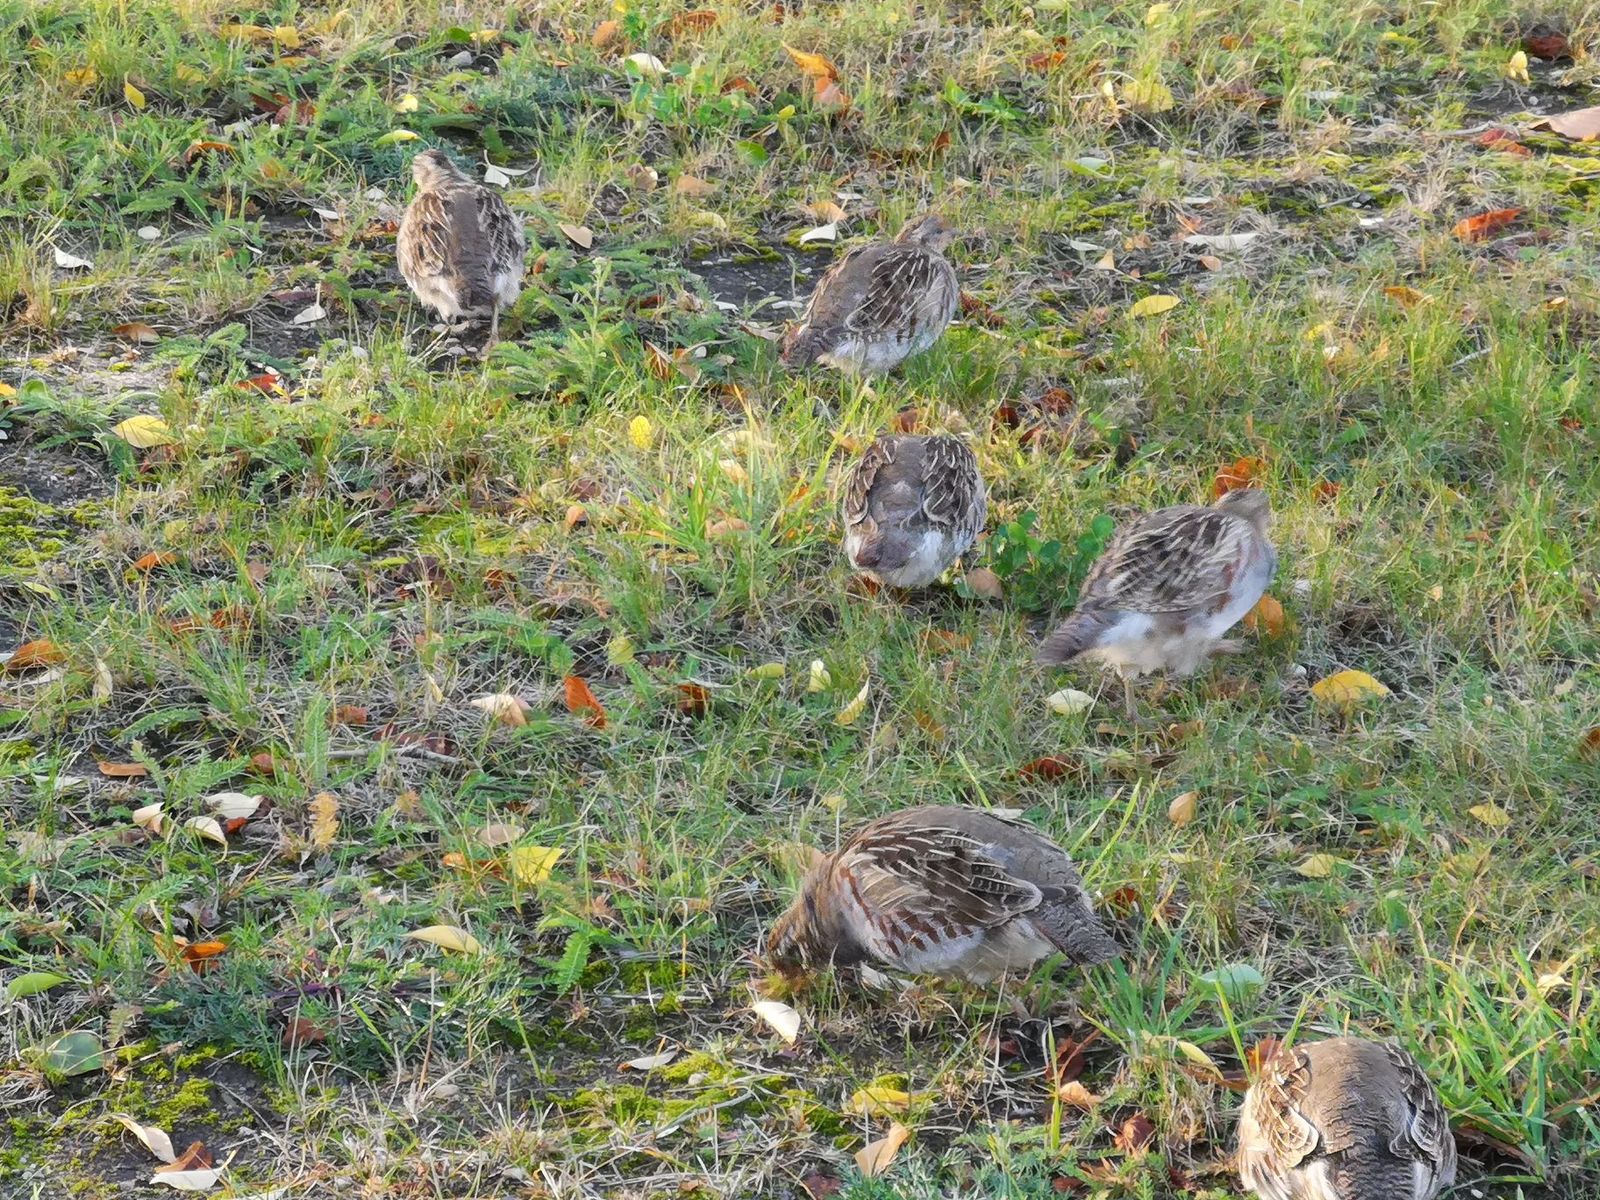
pixel 799 347
pixel 882 552
pixel 1072 637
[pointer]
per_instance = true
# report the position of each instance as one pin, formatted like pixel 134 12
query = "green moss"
pixel 29 531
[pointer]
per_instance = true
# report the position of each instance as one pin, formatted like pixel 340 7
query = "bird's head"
pixel 795 938
pixel 930 230
pixel 432 168
pixel 1250 503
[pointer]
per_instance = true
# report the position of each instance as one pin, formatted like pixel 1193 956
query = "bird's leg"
pixel 1128 705
pixel 494 328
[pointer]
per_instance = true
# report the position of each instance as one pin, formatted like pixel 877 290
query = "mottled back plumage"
pixel 953 892
pixel 459 248
pixel 912 505
pixel 1169 586
pixel 1345 1119
pixel 880 304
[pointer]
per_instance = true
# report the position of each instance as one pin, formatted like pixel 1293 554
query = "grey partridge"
pixel 460 247
pixel 913 505
pixel 1345 1119
pixel 1168 587
pixel 880 304
pixel 952 892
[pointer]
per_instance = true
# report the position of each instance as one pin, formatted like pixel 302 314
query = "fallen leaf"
pixel 1579 125
pixel 202 1180
pixel 1589 744
pixel 604 34
pixel 850 713
pixel 579 235
pixel 70 262
pixel 818 679
pixel 324 810
pixel 150 817
pixel 830 97
pixel 983 582
pixel 822 233
pixel 649 1062
pixel 1135 1134
pixel 820 1186
pixel 395 136
pixel 1317 866
pixel 784 1020
pixel 1209 261
pixel 301 1032
pixel 875 1157
pixel 813 66
pixel 1075 1095
pixel 581 702
pixel 144 431
pixel 1152 306
pixel 1326 491
pixel 825 212
pixel 76 1053
pixel 1407 297
pixel 646 64
pixel 1484 225
pixel 640 433
pixel 155 1140
pixel 1517 68
pixel 32 984
pixel 200 955
pixel 124 770
pixel 350 714
pixel 1183 808
pixel 1069 701
pixel 1491 815
pixel 1148 95
pixel 82 77
pixel 30 656
pixel 532 865
pixel 1051 766
pixel 309 315
pixel 698 20
pixel 503 708
pixel 1547 43
pixel 642 178
pixel 132 95
pixel 208 828
pixel 447 937
pixel 1346 689
pixel 499 833
pixel 1070 1059
pixel 879 1100
pixel 1222 241
pixel 1266 617
pixel 1242 472
pixel 232 805
pixel 692 186
pixel 1504 141
pixel 694 700
pixel 137 332
pixel 146 563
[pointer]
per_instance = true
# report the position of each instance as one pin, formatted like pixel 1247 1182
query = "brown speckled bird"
pixel 1345 1119
pixel 913 505
pixel 880 304
pixel 460 248
pixel 953 892
pixel 1168 587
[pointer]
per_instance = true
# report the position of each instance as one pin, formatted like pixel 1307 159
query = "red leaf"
pixel 1547 43
pixel 265 764
pixel 1051 766
pixel 233 824
pixel 581 702
pixel 1325 491
pixel 1484 225
pixel 820 1186
pixel 303 1032
pixel 350 714
pixel 266 384
pixel 1070 1059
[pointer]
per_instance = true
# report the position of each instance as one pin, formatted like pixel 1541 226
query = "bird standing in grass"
pixel 1168 587
pixel 913 505
pixel 880 304
pixel 1345 1119
pixel 953 892
pixel 460 247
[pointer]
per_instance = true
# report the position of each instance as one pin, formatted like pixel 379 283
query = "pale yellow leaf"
pixel 447 937
pixel 650 1062
pixel 1156 13
pixel 286 36
pixel 503 707
pixel 879 1100
pixel 1491 815
pixel 579 235
pixel 1069 701
pixel 1517 68
pixel 407 104
pixel 155 1140
pixel 817 678
pixel 103 685
pixel 1148 96
pixel 132 94
pixel 201 1179
pixel 144 431
pixel 499 833
pixel 640 433
pixel 877 1156
pixel 1075 1094
pixel 324 810
pixel 1183 808
pixel 230 806
pixel 149 817
pixel 783 1019
pixel 1317 866
pixel 850 713
pixel 771 670
pixel 1346 689
pixel 1196 1055
pixel 533 864
pixel 207 828
pixel 1152 306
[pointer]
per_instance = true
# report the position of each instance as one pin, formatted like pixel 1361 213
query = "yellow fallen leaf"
pixel 208 828
pixel 132 94
pixel 324 808
pixel 1078 1096
pixel 850 713
pixel 1317 866
pixel 1491 815
pixel 235 31
pixel 1196 1055
pixel 640 433
pixel 1517 68
pixel 813 66
pixel 407 104
pixel 784 1020
pixel 1148 95
pixel 1068 701
pixel 286 36
pixel 144 431
pixel 1183 808
pixel 448 937
pixel 503 708
pixel 533 864
pixel 1407 297
pixel 1152 306
pixel 876 1157
pixel 1346 689
pixel 155 1140
pixel 879 1100
pixel 184 73
pixel 818 679
pixel 771 670
pixel 83 77
pixel 149 818
pixel 7 390
pixel 1156 13
pixel 1266 617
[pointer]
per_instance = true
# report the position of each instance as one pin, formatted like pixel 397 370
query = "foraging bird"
pixel 954 892
pixel 1345 1119
pixel 1168 587
pixel 460 248
pixel 912 506
pixel 880 304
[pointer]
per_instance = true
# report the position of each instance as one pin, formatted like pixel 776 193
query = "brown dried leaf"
pixel 1580 125
pixel 124 770
pixel 137 332
pixel 30 656
pixel 1135 1134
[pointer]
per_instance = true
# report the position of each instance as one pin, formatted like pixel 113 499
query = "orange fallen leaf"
pixel 1406 297
pixel 137 332
pixel 581 702
pixel 199 148
pixel 1242 472
pixel 1265 618
pixel 1484 225
pixel 604 34
pixel 694 700
pixel 830 97
pixel 1326 491
pixel 124 770
pixel 1589 744
pixel 195 1158
pixel 1136 1133
pixel 813 66
pixel 697 20
pixel 146 563
pixel 32 655
pixel 301 1031
pixel 266 384
pixel 200 955
pixel 350 714
pixel 1504 141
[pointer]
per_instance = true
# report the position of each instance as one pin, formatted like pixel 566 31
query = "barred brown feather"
pixel 912 505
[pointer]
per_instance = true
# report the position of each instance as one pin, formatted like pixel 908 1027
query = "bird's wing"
pixel 910 289
pixel 952 488
pixel 934 876
pixel 1180 559
pixel 1275 1135
pixel 502 232
pixel 858 488
pixel 425 239
pixel 1426 1136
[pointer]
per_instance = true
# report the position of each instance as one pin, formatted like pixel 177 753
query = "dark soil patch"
pixel 752 281
pixel 51 476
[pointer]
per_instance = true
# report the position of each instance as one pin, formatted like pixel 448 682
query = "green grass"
pixel 395 532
